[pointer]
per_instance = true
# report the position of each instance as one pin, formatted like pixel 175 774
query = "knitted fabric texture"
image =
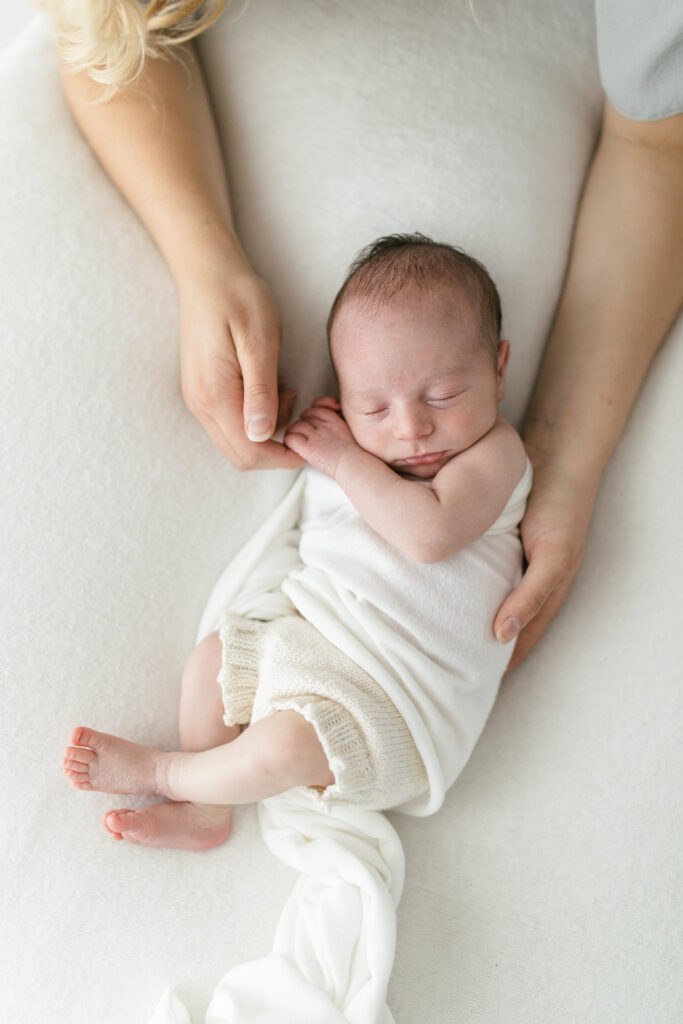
pixel 287 664
pixel 241 652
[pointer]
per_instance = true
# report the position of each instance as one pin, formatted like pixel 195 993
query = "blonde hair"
pixel 111 39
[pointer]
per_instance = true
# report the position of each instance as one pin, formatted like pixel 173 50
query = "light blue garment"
pixel 640 51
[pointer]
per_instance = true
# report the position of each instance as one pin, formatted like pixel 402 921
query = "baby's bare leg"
pixel 200 717
pixel 184 824
pixel 273 755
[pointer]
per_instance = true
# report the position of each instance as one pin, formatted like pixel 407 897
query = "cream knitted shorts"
pixel 287 663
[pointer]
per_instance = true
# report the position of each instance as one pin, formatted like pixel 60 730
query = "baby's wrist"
pixel 348 463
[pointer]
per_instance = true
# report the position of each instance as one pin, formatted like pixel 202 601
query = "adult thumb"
pixel 525 602
pixel 259 378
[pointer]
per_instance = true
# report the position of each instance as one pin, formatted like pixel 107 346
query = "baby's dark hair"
pixel 389 264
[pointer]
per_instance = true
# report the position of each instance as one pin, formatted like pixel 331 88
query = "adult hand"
pixel 229 343
pixel 553 533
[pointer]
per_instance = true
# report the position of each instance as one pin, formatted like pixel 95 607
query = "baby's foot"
pixel 96 760
pixel 184 826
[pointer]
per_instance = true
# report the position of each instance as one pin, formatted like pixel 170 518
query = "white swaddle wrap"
pixel 334 945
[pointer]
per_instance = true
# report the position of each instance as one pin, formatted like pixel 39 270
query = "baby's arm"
pixel 426 523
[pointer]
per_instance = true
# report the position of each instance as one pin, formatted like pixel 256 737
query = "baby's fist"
pixel 321 436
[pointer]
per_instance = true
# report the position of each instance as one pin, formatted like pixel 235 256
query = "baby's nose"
pixel 410 424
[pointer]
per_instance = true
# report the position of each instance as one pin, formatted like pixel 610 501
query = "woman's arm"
pixel 158 143
pixel 623 290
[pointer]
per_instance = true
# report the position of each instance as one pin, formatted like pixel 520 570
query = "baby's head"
pixel 414 336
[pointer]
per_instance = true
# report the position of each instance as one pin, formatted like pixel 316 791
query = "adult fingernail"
pixel 259 428
pixel 508 631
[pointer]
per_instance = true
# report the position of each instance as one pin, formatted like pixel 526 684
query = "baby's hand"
pixel 321 436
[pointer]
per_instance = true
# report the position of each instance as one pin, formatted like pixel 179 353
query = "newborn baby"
pixel 377 685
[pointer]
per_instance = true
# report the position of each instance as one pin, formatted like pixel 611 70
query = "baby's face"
pixel 416 384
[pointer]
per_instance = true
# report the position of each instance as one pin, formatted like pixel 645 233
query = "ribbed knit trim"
pixel 344 748
pixel 241 643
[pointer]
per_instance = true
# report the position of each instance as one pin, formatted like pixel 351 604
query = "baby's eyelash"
pixel 446 398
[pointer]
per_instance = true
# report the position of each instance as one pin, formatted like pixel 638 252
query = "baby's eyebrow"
pixel 454 377
pixel 361 396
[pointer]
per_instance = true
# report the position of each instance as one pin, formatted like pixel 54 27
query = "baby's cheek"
pixel 472 423
pixel 358 427
pixel 371 440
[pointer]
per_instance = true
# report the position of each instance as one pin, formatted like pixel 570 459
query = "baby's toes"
pixel 77 762
pixel 78 779
pixel 79 759
pixel 110 822
pixel 81 736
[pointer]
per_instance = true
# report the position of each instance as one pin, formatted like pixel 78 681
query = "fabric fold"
pixel 334 945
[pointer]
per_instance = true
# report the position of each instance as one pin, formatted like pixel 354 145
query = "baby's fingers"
pixel 297 440
pixel 318 415
pixel 327 402
pixel 300 432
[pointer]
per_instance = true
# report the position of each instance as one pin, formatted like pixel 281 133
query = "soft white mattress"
pixel 547 889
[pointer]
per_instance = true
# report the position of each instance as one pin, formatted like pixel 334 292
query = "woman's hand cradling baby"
pixel 553 532
pixel 321 436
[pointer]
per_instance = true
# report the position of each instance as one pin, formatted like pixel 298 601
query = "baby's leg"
pixel 273 755
pixel 184 824
pixel 200 716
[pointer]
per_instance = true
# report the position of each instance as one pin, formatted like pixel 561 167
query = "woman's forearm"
pixel 158 142
pixel 623 290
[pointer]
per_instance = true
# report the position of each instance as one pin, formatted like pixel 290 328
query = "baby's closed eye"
pixel 442 399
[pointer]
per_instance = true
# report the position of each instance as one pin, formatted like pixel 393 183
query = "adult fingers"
pixel 258 363
pixel 535 629
pixel 247 455
pixel 218 407
pixel 227 342
pixel 548 566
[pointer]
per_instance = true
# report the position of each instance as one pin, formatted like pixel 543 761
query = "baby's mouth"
pixel 421 460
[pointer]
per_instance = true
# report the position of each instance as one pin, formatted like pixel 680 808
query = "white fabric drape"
pixel 334 946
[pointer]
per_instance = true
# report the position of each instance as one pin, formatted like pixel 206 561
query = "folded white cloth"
pixel 334 946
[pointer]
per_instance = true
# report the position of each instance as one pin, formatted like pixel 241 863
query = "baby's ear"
pixel 503 357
